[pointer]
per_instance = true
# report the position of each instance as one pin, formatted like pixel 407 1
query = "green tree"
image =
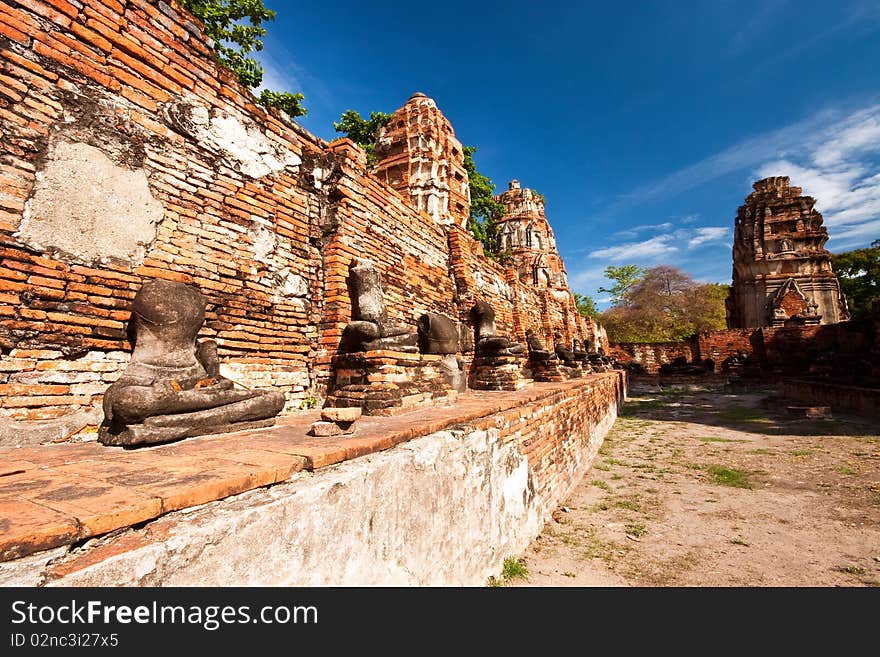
pixel 363 132
pixel 485 210
pixel 665 304
pixel 586 305
pixel 859 275
pixel 236 28
pixel 624 277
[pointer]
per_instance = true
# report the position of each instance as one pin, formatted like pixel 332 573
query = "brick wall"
pixel 846 352
pixel 119 130
pixel 652 354
pixel 107 75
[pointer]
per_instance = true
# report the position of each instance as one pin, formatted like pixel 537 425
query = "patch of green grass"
pixel 602 506
pixel 617 476
pixel 513 568
pixel 614 462
pixel 636 530
pixel 850 570
pixel 602 466
pixel 695 466
pixel 739 541
pixel 762 451
pixel 598 483
pixel 802 452
pixel 729 476
pixel 715 439
pixel 632 505
pixel 846 470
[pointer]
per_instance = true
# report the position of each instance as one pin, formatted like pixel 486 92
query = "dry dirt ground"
pixel 702 487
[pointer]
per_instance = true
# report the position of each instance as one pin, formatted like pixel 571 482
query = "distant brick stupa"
pixel 782 271
pixel 526 235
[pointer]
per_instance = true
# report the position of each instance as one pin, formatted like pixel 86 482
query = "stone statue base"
pixel 388 382
pixel 544 371
pixel 152 433
pixel 498 373
pixel 556 370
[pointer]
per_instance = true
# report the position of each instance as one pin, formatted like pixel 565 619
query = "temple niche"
pixel 526 235
pixel 782 272
pixel 419 156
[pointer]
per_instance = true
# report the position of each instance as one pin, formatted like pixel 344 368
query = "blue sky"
pixel 643 123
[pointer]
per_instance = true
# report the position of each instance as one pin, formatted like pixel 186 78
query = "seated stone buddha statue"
pixel 562 351
pixel 172 387
pixel 487 341
pixel 370 328
pixel 537 352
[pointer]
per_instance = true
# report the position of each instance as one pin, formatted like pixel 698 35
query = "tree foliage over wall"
pixel 661 304
pixel 859 275
pixel 363 132
pixel 586 305
pixel 485 210
pixel 236 28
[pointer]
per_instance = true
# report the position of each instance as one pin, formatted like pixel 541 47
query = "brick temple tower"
pixel 419 156
pixel 526 234
pixel 781 270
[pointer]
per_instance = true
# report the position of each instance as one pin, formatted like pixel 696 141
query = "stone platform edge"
pixel 59 496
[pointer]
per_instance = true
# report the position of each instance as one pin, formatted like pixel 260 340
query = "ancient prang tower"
pixel 419 156
pixel 526 235
pixel 781 270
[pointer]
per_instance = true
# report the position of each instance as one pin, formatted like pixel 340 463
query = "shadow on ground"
pixel 770 416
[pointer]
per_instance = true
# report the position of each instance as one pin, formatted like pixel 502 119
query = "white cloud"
pixel 748 153
pixel 708 234
pixel 632 233
pixel 656 246
pixel 832 155
pixel 838 168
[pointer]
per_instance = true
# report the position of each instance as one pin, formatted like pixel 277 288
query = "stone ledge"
pixel 58 495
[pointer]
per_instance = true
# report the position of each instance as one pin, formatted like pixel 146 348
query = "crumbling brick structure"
pixel 419 156
pixel 781 270
pixel 527 239
pixel 128 154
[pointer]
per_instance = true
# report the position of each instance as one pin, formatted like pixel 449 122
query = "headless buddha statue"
pixel 487 341
pixel 172 387
pixel 537 352
pixel 370 328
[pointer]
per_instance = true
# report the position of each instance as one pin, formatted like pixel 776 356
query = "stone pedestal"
pixel 546 370
pixel 388 382
pixel 498 373
pixel 556 370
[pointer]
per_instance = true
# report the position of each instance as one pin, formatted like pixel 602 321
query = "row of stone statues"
pixel 172 388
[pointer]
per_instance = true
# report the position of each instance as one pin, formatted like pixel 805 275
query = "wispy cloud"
pixel 656 246
pixel 756 26
pixel 632 233
pixel 833 155
pixel 838 167
pixel 708 234
pixel 746 154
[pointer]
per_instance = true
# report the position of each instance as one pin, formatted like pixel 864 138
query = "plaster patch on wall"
pixel 290 285
pixel 87 209
pixel 240 142
pixel 265 243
